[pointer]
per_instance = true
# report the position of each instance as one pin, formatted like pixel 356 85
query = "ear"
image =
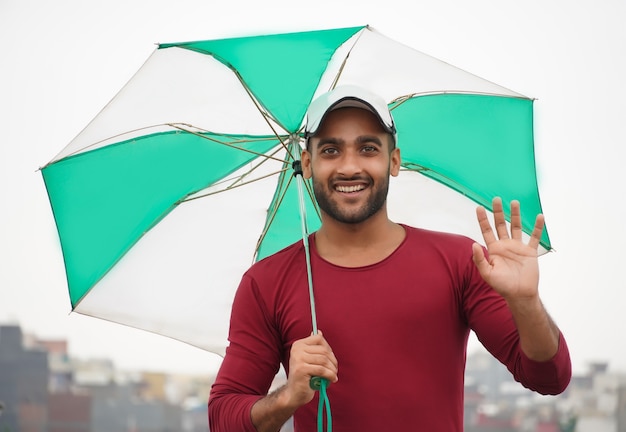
pixel 395 161
pixel 306 164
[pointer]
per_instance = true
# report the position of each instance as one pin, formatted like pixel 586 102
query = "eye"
pixel 369 149
pixel 329 151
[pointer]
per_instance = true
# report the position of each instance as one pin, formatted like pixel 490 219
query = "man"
pixel 395 304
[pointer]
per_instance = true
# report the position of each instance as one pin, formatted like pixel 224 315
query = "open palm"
pixel 511 267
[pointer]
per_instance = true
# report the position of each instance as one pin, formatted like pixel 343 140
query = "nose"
pixel 349 164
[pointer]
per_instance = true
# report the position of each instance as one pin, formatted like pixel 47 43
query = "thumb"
pixel 479 258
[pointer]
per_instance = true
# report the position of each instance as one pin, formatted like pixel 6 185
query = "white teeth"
pixel 349 189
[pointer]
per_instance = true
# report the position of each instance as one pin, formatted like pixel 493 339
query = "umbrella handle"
pixel 323 405
pixel 316 382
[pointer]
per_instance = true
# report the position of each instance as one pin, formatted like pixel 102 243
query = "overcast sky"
pixel 62 61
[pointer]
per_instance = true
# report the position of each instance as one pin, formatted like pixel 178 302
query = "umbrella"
pixel 186 177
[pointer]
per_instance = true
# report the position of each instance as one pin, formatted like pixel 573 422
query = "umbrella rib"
pixel 239 178
pixel 312 197
pixel 77 151
pixel 175 126
pixel 231 187
pixel 414 167
pixel 237 181
pixel 264 113
pixel 273 215
pixel 343 63
pixel 401 99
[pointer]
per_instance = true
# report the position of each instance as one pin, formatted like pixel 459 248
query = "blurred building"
pixel 60 368
pixel 23 383
pixel 621 408
pixel 126 402
pixel 596 399
pixel 43 389
pixel 69 411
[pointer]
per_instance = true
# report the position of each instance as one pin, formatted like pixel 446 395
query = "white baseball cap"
pixel 343 97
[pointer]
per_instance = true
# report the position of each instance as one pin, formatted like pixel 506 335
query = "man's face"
pixel 350 161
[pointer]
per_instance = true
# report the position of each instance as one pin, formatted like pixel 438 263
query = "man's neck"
pixel 357 245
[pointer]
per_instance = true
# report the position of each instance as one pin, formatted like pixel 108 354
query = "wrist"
pixel 271 412
pixel 284 399
pixel 525 305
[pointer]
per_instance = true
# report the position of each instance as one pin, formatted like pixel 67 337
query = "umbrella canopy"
pixel 185 177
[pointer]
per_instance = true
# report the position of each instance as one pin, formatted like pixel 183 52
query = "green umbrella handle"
pixel 315 383
pixel 323 405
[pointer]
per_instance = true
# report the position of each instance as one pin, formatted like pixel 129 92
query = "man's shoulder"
pixel 274 274
pixel 434 236
pixel 280 258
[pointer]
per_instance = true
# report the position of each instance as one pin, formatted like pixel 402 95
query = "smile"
pixel 350 189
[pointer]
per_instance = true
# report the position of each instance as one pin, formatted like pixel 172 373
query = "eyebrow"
pixel 360 140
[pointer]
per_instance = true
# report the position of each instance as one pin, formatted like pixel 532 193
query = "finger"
pixel 320 359
pixel 322 372
pixel 499 220
pixel 321 364
pixel 480 260
pixel 317 345
pixel 316 340
pixel 516 220
pixel 317 351
pixel 329 349
pixel 535 237
pixel 485 226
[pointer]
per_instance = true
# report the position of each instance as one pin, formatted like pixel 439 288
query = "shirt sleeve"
pixel 489 317
pixel 553 375
pixel 252 360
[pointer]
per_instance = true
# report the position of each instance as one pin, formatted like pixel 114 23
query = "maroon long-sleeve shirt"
pixel 398 328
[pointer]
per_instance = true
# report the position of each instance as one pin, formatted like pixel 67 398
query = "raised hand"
pixel 511 268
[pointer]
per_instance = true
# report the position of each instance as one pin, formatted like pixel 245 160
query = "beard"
pixel 333 209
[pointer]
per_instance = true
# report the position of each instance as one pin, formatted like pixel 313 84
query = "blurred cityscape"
pixel 43 389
